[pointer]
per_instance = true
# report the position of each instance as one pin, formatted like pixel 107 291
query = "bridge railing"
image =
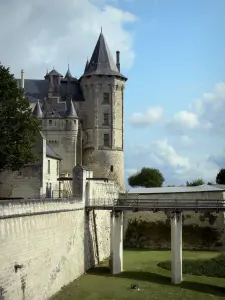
pixel 157 204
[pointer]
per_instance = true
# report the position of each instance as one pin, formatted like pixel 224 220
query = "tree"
pixel 18 127
pixel 196 182
pixel 220 177
pixel 147 177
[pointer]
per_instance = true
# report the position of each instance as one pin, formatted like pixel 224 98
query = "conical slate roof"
pixel 71 111
pixel 101 62
pixel 68 73
pixel 86 66
pixel 37 110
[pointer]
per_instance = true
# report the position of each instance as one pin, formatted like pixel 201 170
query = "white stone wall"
pixel 49 247
pixel 53 242
pixel 51 178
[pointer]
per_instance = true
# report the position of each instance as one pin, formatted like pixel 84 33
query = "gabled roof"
pixel 37 110
pixel 101 62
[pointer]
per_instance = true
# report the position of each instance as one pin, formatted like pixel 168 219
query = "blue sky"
pixel 172 51
pixel 179 48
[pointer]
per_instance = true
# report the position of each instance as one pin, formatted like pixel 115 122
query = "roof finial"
pixel 101 29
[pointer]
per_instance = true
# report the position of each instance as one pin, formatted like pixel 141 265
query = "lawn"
pixel 154 282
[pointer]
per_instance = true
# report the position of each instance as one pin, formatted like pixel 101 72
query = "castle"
pixel 82 119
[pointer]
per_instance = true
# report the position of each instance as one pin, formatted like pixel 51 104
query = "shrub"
pixel 214 267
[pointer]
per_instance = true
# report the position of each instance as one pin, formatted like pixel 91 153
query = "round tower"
pixel 103 87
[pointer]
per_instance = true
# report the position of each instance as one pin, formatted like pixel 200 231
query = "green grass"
pixel 213 267
pixel 154 282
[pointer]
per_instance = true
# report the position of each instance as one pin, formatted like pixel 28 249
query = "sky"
pixel 173 53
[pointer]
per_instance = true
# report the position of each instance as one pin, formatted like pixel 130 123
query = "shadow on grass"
pixel 160 279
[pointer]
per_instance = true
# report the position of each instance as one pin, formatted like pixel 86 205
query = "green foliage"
pixel 209 217
pixel 220 177
pixel 18 127
pixel 210 183
pixel 196 182
pixel 214 267
pixel 147 177
pixel 156 235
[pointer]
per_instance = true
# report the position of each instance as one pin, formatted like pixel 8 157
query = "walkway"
pixel 174 200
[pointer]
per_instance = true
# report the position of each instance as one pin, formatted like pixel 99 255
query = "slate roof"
pixel 71 111
pixel 51 153
pixel 54 72
pixel 101 62
pixel 37 110
pixel 68 73
pixel 174 190
pixel 37 89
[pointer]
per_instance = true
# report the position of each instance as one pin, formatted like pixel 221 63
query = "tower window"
pixel 106 119
pixel 106 140
pixel 111 168
pixel 48 166
pixel 50 122
pixel 105 98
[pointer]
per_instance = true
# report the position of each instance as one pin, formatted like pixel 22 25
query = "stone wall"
pixel 25 183
pixel 45 244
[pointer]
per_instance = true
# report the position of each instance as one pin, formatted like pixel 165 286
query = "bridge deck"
pixel 157 205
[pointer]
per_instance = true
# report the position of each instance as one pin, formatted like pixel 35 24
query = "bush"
pixel 156 235
pixel 214 267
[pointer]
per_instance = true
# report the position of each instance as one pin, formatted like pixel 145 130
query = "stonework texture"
pixel 45 244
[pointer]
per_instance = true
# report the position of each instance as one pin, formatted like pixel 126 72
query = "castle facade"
pixel 82 119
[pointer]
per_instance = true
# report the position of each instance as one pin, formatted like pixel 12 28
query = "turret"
pixel 38 111
pixel 103 86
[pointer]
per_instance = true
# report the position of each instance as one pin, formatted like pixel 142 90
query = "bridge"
pixel 170 200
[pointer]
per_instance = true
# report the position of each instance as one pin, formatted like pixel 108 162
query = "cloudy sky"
pixel 173 53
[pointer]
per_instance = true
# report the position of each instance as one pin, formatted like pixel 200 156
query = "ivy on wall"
pixel 156 235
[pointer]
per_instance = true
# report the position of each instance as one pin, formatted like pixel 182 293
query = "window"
pixel 105 98
pixel 106 119
pixel 57 168
pixel 106 140
pixel 48 166
pixel 50 122
pixel 111 168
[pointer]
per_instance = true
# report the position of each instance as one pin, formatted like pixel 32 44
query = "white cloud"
pixel 183 121
pixel 167 154
pixel 54 32
pixel 211 107
pixel 206 113
pixel 186 141
pixel 151 116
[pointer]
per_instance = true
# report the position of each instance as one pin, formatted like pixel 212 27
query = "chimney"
pixel 22 79
pixel 118 60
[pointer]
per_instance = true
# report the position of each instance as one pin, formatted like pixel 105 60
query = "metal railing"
pixel 156 204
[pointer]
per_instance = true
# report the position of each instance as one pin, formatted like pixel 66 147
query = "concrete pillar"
pixel 176 248
pixel 116 243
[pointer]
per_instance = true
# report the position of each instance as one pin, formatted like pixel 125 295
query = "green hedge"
pixel 214 267
pixel 156 235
